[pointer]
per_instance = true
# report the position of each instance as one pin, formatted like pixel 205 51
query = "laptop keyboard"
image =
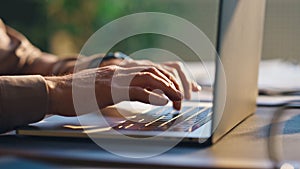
pixel 164 118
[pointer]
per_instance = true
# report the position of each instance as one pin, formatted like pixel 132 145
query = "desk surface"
pixel 246 146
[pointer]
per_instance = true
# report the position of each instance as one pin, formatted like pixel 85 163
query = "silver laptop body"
pixel 239 45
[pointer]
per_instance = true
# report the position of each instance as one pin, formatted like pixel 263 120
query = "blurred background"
pixel 63 26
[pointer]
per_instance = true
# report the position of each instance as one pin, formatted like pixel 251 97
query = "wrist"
pixel 109 59
pixel 53 94
pixel 110 62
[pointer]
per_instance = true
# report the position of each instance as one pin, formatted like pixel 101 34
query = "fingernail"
pixel 177 105
pixel 199 87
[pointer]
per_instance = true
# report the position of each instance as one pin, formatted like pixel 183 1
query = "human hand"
pixel 172 70
pixel 141 83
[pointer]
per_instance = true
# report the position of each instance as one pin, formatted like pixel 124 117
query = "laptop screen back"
pixel 239 46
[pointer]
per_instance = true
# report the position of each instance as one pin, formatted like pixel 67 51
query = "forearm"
pixel 19 57
pixel 23 100
pixel 22 58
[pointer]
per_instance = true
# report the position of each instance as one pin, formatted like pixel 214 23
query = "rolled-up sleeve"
pixel 23 100
pixel 17 54
pixel 19 57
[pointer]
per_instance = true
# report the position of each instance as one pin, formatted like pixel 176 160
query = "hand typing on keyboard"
pixel 174 71
pixel 150 82
pixel 144 82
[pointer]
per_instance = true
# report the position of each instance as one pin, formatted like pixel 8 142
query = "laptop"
pixel 239 44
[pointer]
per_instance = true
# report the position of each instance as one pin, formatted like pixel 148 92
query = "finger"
pixel 143 63
pixel 150 81
pixel 145 96
pixel 186 83
pixel 196 87
pixel 157 91
pixel 169 76
pixel 160 74
pixel 177 105
pixel 155 69
pixel 176 77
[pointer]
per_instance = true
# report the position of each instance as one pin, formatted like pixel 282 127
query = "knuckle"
pixel 112 68
pixel 173 71
pixel 148 75
pixel 178 64
pixel 151 69
pixel 144 90
pixel 145 75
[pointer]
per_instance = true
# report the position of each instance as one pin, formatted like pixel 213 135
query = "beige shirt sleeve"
pixel 19 57
pixel 23 100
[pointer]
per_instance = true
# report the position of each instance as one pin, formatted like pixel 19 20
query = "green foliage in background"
pixel 41 20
